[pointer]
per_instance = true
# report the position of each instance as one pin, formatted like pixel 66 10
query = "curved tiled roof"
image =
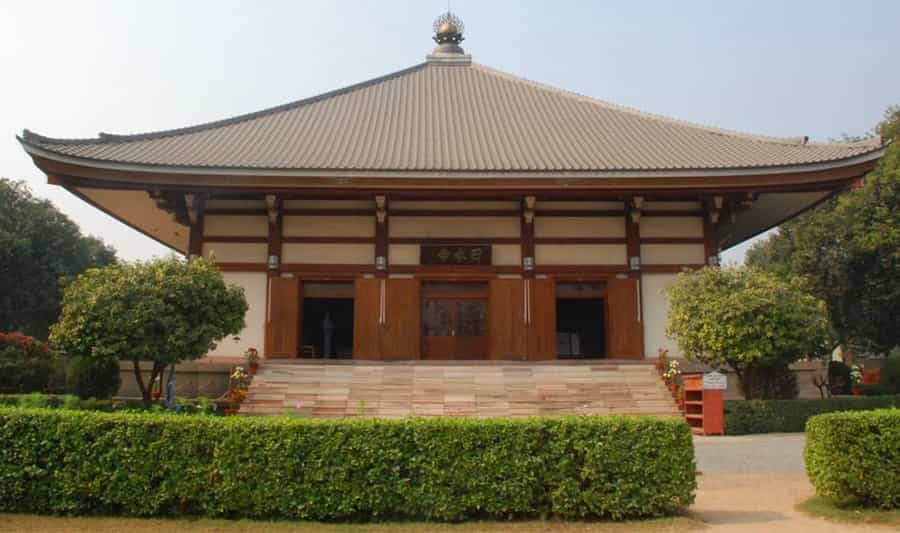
pixel 451 116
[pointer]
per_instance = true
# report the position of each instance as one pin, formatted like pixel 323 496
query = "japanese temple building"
pixel 451 211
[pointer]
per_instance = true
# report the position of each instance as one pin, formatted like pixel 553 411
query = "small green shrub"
pixel 855 457
pixel 35 399
pixel 90 377
pixel 744 417
pixel 354 469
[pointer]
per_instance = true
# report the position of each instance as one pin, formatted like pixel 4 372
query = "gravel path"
pixel 752 483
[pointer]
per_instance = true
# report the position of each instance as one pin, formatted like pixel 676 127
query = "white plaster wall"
pixel 329 226
pixel 236 252
pixel 672 206
pixel 579 227
pixel 454 227
pixel 451 205
pixel 560 205
pixel 506 254
pixel 672 254
pixel 236 226
pixel 235 204
pixel 654 309
pixel 403 254
pixel 330 204
pixel 348 254
pixel 255 285
pixel 671 226
pixel 580 254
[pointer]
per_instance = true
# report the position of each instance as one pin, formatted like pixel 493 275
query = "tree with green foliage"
pixel 744 319
pixel 848 250
pixel 39 246
pixel 163 311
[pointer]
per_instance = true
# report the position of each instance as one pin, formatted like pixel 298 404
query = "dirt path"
pixel 752 484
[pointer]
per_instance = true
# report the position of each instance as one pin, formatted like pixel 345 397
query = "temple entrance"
pixel 454 321
pixel 327 329
pixel 581 320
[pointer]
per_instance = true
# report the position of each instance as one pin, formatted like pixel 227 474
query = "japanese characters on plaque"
pixel 455 254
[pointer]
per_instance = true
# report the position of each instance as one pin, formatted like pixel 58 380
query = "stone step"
pixel 395 390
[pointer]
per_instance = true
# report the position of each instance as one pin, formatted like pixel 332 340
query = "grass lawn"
pixel 24 522
pixel 819 506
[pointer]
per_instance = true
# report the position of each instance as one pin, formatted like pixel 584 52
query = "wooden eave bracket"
pixel 381 208
pixel 635 208
pixel 194 204
pixel 528 204
pixel 273 206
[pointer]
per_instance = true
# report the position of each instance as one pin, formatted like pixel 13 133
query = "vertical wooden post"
pixel 527 236
pixel 194 204
pixel 381 236
pixel 633 207
pixel 276 222
pixel 710 241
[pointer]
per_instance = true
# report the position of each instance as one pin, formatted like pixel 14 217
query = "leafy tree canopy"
pixel 745 319
pixel 848 249
pixel 39 246
pixel 163 311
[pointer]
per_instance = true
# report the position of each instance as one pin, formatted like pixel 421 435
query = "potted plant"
pixel 252 355
pixel 856 379
pixel 671 375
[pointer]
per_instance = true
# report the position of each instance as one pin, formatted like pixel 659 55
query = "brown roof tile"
pixel 451 116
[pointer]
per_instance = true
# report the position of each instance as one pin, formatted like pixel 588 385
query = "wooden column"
pixel 194 204
pixel 527 235
pixel 381 235
pixel 633 207
pixel 715 206
pixel 273 203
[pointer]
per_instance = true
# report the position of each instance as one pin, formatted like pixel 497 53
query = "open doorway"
pixel 327 321
pixel 581 320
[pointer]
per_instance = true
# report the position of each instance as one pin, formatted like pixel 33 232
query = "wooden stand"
pixel 704 410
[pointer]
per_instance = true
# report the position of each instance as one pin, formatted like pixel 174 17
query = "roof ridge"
pixel 105 138
pixel 789 141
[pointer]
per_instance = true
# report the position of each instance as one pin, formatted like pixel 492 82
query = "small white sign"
pixel 715 381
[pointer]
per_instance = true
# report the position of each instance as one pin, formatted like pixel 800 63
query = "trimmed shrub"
pixel 89 377
pixel 744 417
pixel 77 462
pixel 855 457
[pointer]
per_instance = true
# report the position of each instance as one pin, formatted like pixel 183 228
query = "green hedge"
pixel 743 417
pixel 855 457
pixel 79 462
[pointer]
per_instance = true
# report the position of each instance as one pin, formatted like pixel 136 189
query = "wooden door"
pixel 506 320
pixel 283 324
pixel 366 308
pixel 542 320
pixel 626 331
pixel 454 321
pixel 401 329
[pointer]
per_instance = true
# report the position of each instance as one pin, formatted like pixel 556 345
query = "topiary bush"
pixel 89 377
pixel 743 417
pixel 350 469
pixel 855 457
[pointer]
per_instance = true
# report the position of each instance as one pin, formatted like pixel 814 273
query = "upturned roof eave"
pixel 811 167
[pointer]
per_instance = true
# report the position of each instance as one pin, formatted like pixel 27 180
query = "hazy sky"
pixel 786 68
